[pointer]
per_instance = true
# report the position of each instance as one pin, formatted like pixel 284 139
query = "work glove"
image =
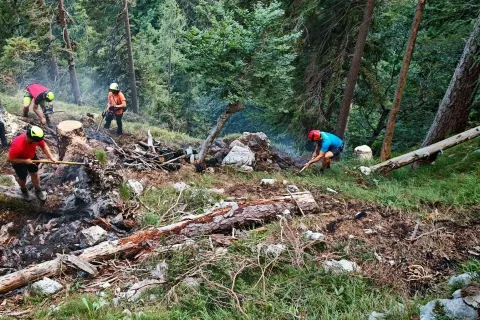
pixel 111 108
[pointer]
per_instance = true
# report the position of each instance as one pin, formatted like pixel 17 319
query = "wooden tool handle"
pixel 58 162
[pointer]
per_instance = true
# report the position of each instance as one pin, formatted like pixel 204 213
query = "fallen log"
pixel 221 218
pixel 422 153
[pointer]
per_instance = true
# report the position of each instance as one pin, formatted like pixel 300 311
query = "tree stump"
pixel 72 141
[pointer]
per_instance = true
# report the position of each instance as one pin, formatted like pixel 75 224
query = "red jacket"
pixel 35 89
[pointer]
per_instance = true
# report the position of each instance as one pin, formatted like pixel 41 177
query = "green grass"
pixel 101 156
pixel 126 192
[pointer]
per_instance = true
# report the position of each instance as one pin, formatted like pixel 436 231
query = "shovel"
pixel 62 162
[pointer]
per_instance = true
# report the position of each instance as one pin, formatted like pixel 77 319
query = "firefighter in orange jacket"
pixel 41 96
pixel 115 107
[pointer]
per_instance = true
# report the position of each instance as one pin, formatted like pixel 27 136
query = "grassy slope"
pixel 289 290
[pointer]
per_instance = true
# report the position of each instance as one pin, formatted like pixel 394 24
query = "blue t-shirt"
pixel 330 141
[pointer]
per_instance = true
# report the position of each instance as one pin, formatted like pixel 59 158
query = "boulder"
pixel 239 157
pixel 94 235
pixel 463 279
pixel 237 143
pixel 46 286
pixel 363 152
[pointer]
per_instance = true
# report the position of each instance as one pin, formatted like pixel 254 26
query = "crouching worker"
pixel 21 154
pixel 327 146
pixel 41 96
pixel 115 108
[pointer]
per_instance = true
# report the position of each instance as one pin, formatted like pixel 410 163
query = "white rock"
pixel 136 186
pixel 180 186
pixel 191 282
pixel 106 285
pixel 239 157
pixel 363 152
pixel 47 286
pixel 317 236
pixel 292 188
pixel 160 271
pixel 133 294
pixel 457 294
pixel 285 182
pixel 376 316
pixel 246 169
pixel 237 143
pixel 453 309
pixel 473 301
pixel 331 190
pixel 94 235
pixel 274 250
pixel 351 236
pixel 462 280
pixel 153 297
pixel 365 170
pixel 270 182
pixel 368 231
pixel 342 265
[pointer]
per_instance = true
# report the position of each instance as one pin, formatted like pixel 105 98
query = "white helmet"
pixel 114 86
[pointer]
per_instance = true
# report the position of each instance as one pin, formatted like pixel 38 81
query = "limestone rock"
pixel 463 279
pixel 341 266
pixel 453 309
pixel 47 286
pixel 363 152
pixel 94 235
pixel 239 157
pixel 136 186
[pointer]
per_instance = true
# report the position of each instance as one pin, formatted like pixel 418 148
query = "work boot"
pixel 25 112
pixel 26 194
pixel 40 194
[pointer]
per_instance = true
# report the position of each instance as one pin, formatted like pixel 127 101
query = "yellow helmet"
pixel 49 96
pixel 114 86
pixel 35 133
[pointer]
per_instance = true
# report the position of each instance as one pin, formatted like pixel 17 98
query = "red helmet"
pixel 314 135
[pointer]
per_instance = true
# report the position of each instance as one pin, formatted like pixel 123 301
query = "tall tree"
pixel 71 60
pixel 133 82
pixel 244 57
pixel 354 69
pixel 452 114
pixel 402 79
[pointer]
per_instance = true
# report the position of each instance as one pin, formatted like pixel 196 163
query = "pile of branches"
pixel 147 156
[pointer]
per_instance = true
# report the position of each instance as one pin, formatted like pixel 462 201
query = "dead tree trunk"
pixel 133 81
pixel 452 114
pixel 234 214
pixel 354 69
pixel 71 62
pixel 231 109
pixel 426 152
pixel 402 79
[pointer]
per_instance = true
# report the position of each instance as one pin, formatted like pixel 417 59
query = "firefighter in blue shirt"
pixel 327 146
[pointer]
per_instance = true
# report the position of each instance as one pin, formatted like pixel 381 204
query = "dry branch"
pixel 229 215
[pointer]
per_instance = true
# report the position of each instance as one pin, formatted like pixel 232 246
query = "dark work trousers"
pixel 3 139
pixel 108 120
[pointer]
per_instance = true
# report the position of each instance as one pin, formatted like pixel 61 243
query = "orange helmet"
pixel 314 135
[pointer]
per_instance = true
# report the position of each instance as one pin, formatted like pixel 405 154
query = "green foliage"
pixel 18 56
pixel 243 55
pixel 126 192
pixel 101 156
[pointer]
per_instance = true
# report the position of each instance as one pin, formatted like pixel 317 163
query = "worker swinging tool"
pixel 327 146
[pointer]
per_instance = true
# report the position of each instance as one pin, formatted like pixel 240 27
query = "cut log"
pixel 422 153
pixel 72 142
pixel 222 218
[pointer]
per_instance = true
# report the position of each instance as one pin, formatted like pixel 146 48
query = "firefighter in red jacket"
pixel 40 95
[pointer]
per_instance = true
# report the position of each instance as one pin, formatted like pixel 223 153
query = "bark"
pixel 231 109
pixel 71 61
pixel 133 82
pixel 426 152
pixel 354 69
pixel 402 79
pixel 71 140
pixel 452 114
pixel 232 215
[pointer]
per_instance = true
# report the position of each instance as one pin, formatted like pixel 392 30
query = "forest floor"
pixel 416 229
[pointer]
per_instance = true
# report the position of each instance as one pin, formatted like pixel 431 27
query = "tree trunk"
pixel 232 215
pixel 231 109
pixel 133 82
pixel 71 62
pixel 379 127
pixel 426 152
pixel 397 98
pixel 354 69
pixel 452 114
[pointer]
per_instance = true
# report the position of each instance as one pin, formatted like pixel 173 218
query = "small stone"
pixel 391 262
pixel 106 285
pixel 160 271
pixel 47 286
pixel 133 294
pixel 316 236
pixel 331 190
pixel 351 236
pixel 365 170
pixel 342 265
pixel 463 279
pixel 293 188
pixel 152 297
pixel 180 186
pixel 274 250
pixel 285 182
pixel 94 235
pixel 245 168
pixel 136 187
pixel 116 302
pixel 453 309
pixel 265 182
pixel 376 316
